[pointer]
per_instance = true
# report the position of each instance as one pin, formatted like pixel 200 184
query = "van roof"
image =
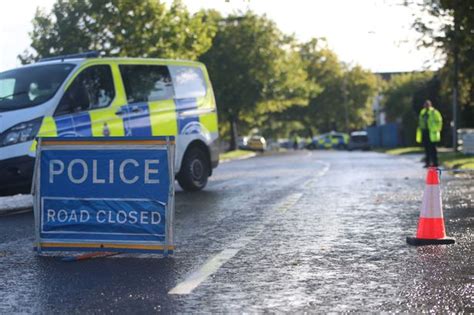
pixel 124 60
pixel 127 60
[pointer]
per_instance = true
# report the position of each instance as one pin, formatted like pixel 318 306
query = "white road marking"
pixel 215 262
pixel 210 267
pixel 289 202
pixel 319 173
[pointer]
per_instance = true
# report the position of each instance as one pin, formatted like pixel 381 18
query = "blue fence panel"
pixel 386 136
pixel 374 138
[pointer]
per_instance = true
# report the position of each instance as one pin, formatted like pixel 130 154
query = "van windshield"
pixel 31 86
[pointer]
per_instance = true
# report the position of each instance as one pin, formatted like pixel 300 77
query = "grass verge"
pixel 448 159
pixel 456 160
pixel 402 151
pixel 232 155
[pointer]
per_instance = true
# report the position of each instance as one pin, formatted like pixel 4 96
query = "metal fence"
pixel 466 141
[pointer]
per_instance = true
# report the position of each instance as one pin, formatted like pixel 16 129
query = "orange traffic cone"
pixel 431 224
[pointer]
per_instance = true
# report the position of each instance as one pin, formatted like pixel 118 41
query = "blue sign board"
pixel 105 194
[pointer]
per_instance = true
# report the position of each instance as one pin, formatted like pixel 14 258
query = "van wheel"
pixel 194 170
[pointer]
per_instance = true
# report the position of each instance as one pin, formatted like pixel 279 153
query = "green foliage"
pixel 236 154
pixel 290 89
pixel 361 87
pixel 241 60
pixel 346 92
pixel 405 150
pixel 324 68
pixel 132 28
pixel 451 160
pixel 456 160
pixel 398 95
pixel 255 71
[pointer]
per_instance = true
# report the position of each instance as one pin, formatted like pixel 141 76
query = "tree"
pixel 361 87
pixel 132 28
pixel 347 93
pixel 289 89
pixel 325 69
pixel 254 70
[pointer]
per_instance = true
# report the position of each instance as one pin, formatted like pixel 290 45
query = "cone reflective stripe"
pixel 431 229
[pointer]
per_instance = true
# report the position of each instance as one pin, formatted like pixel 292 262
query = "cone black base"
pixel 425 241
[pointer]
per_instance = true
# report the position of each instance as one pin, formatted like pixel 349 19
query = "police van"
pixel 83 95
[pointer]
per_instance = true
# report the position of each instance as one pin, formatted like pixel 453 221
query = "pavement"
pixel 15 204
pixel 319 231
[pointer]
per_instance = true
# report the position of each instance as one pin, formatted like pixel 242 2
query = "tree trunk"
pixel 233 133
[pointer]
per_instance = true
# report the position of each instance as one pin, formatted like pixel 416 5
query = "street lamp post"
pixel 455 80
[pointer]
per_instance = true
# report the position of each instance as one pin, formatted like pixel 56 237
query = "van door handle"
pixel 134 109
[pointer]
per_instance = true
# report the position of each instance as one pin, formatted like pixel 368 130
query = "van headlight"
pixel 22 132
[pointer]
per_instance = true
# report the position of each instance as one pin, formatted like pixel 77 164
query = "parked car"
pixel 242 143
pixel 285 143
pixel 330 140
pixel 359 141
pixel 257 143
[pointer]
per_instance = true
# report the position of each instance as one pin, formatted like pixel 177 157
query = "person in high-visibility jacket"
pixel 428 133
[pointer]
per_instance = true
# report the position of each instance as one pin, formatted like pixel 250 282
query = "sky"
pixel 375 34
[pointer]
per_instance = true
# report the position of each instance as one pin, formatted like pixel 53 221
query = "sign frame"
pixel 162 143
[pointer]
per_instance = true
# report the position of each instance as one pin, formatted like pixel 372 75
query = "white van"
pixel 83 95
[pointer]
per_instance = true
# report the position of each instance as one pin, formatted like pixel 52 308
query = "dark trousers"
pixel 431 154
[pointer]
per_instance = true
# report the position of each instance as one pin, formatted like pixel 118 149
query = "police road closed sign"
pixel 105 194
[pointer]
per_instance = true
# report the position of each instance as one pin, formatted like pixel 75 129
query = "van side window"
pixel 188 81
pixel 7 88
pixel 145 83
pixel 93 88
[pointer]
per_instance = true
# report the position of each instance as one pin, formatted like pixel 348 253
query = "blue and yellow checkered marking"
pixel 182 106
pixel 77 125
pixel 159 118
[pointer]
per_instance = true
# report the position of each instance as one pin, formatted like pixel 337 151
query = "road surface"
pixel 300 231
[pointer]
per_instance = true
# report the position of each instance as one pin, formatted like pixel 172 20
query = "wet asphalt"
pixel 301 231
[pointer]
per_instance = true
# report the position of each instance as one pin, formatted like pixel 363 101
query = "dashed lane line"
pixel 214 263
pixel 217 261
pixel 319 173
pixel 209 268
pixel 289 202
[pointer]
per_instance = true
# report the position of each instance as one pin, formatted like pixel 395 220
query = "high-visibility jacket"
pixel 434 124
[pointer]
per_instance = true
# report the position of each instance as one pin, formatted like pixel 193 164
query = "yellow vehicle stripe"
pixel 105 122
pixel 163 118
pixel 208 120
pixel 120 96
pixel 47 129
pixel 105 142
